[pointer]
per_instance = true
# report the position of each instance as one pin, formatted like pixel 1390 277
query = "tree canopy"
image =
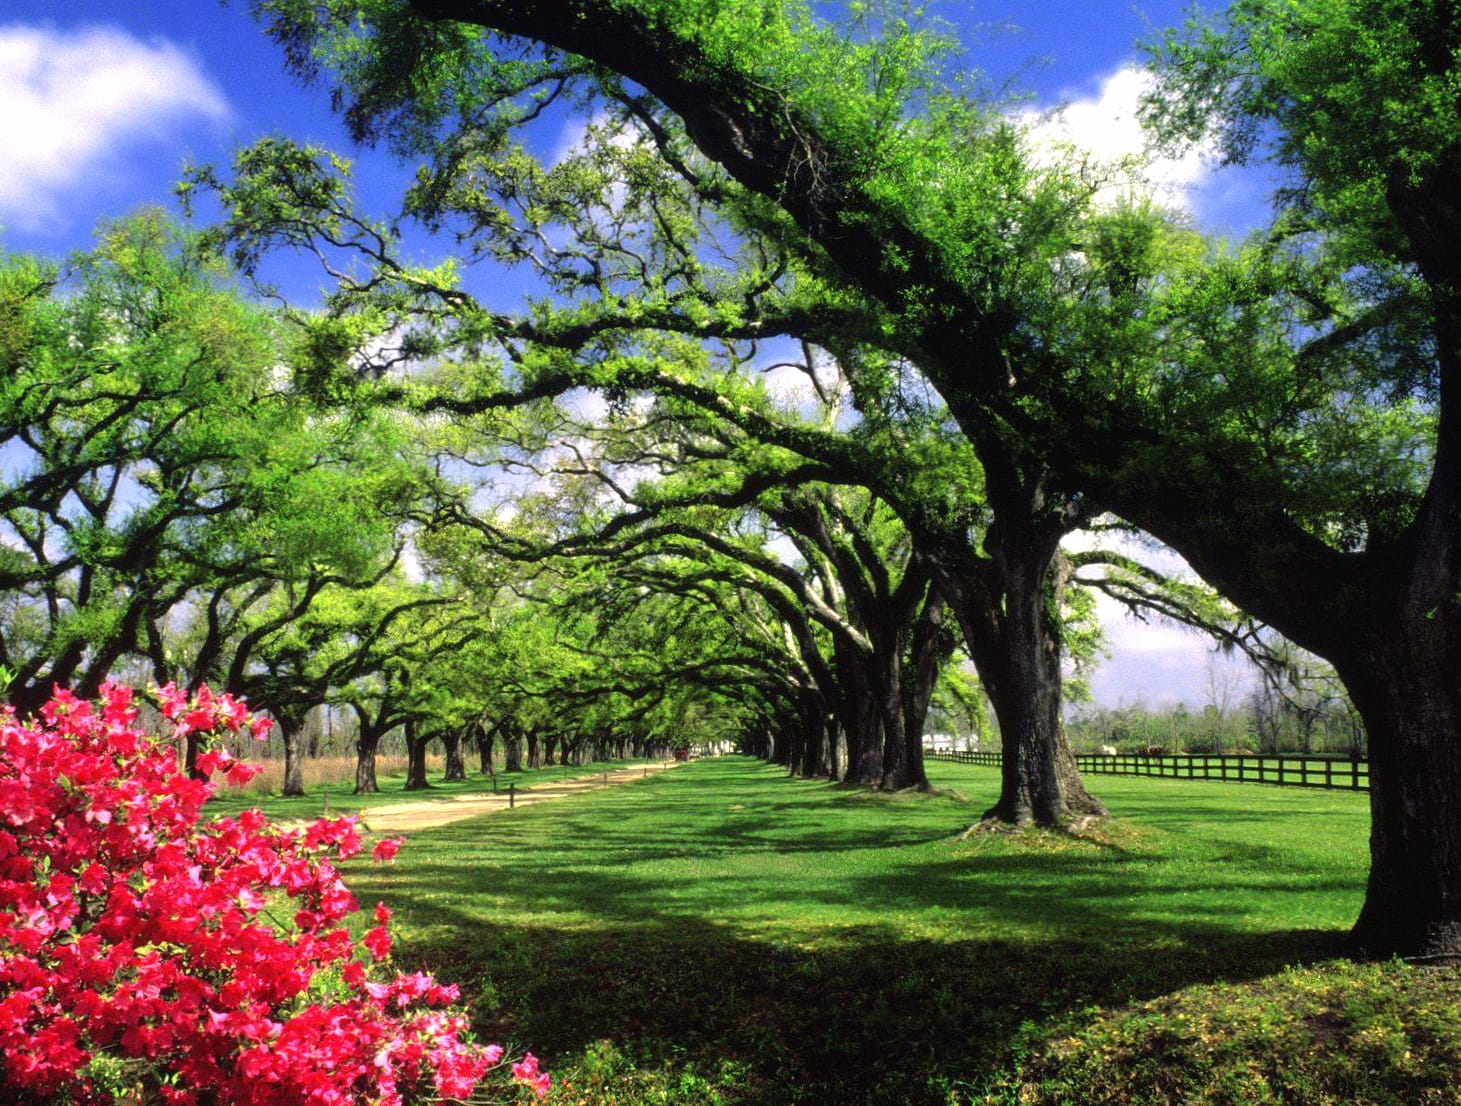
pixel 1279 412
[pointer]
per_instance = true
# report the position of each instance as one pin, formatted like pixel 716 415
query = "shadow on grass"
pixel 876 1018
pixel 793 943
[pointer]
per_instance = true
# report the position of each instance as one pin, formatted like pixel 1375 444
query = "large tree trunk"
pixel 512 753
pixel 790 743
pixel 1408 692
pixel 28 696
pixel 858 707
pixel 1039 782
pixel 1012 631
pixel 485 738
pixel 777 751
pixel 416 743
pixel 456 765
pixel 192 749
pixel 902 768
pixel 814 757
pixel 366 746
pixel 928 650
pixel 755 743
pixel 535 756
pixel 289 732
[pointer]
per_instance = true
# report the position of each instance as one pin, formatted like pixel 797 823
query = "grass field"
pixel 722 934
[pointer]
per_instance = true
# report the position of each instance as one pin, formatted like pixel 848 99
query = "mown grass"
pixel 722 934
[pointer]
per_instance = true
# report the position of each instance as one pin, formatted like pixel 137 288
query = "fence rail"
pixel 1330 773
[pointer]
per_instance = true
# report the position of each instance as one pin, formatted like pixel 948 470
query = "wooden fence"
pixel 1331 773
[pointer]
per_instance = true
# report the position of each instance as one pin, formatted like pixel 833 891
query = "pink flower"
pixel 199 720
pixel 129 923
pixel 240 772
pixel 526 1072
pixel 377 942
pixel 386 849
pixel 172 700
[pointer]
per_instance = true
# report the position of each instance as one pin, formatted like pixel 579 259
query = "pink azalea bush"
pixel 147 955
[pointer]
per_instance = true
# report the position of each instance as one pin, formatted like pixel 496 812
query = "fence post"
pixel 511 795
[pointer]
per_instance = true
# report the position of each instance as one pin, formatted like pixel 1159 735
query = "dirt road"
pixel 408 817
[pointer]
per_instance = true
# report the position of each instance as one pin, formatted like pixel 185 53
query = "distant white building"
pixel 950 743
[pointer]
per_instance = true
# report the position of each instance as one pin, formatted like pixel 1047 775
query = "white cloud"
pixel 1161 665
pixel 72 102
pixel 1157 662
pixel 576 131
pixel 572 138
pixel 586 405
pixel 1107 128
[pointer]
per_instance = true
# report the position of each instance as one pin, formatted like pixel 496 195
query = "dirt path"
pixel 408 817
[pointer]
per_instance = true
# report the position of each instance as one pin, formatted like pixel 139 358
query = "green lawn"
pixel 724 934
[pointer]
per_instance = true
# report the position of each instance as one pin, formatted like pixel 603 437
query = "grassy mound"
pixel 1340 1034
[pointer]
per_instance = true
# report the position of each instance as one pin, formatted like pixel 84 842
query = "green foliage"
pixel 173 499
pixel 1357 97
pixel 1291 376
pixel 139 400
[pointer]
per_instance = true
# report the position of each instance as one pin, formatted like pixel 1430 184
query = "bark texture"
pixel 456 764
pixel 366 747
pixel 416 743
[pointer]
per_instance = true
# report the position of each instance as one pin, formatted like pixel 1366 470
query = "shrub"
pixel 148 956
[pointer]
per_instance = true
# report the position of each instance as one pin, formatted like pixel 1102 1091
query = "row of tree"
pixel 663 574
pixel 1280 412
pixel 993 356
pixel 174 506
pixel 674 311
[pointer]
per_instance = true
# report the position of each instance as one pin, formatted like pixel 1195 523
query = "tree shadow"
pixel 874 1017
pixel 648 940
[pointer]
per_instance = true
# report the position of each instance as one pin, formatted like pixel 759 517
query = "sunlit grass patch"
pixel 725 934
pixel 1338 1034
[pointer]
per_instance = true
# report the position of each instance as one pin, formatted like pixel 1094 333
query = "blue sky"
pixel 103 101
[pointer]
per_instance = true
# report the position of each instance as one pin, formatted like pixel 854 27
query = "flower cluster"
pixel 142 951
